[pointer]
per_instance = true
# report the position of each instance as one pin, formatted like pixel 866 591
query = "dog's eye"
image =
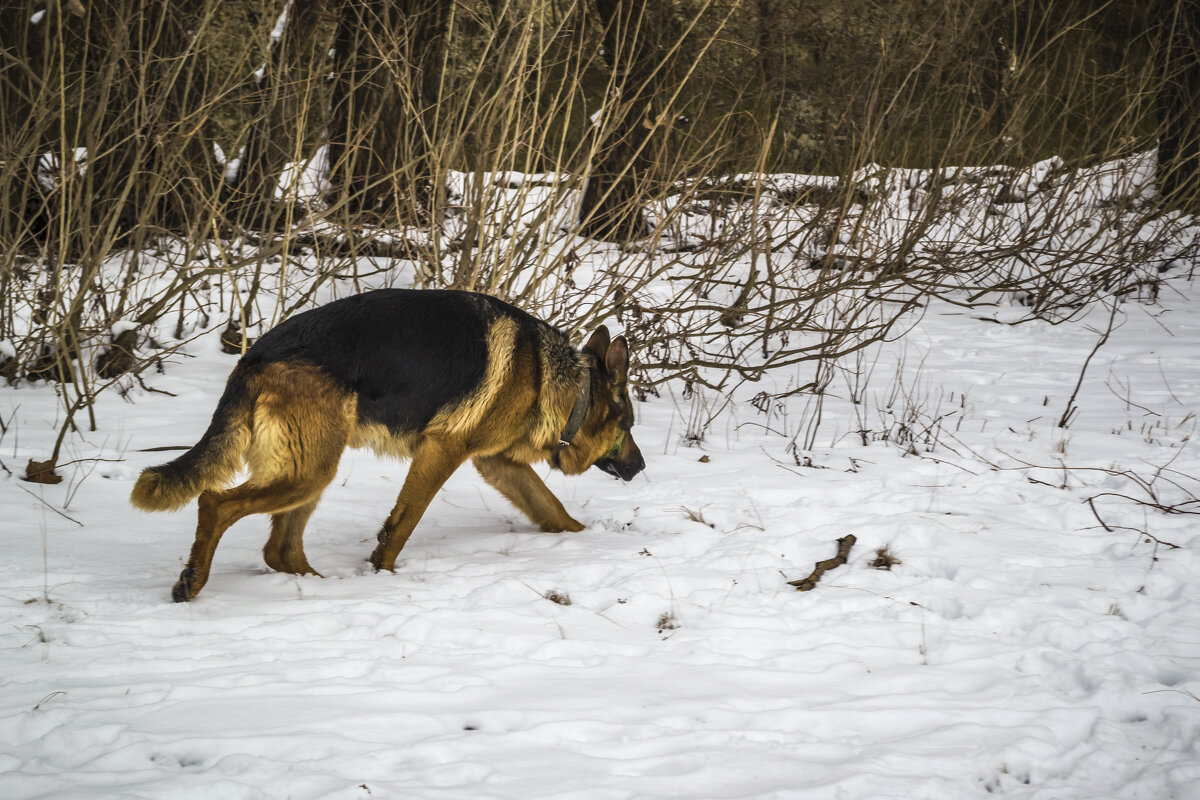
pixel 623 415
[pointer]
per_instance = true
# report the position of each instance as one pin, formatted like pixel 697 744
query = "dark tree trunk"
pixel 1178 62
pixel 288 95
pixel 149 154
pixel 117 79
pixel 388 64
pixel 1003 26
pixel 23 204
pixel 611 207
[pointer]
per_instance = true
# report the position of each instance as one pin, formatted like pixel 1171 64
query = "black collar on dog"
pixel 580 411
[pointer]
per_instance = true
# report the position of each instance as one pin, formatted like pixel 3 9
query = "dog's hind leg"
pixel 219 510
pixel 284 551
pixel 433 462
pixel 300 426
pixel 525 490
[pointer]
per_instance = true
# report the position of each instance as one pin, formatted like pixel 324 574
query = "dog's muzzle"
pixel 625 470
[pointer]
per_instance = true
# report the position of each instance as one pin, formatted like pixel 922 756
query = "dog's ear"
pixel 616 360
pixel 598 344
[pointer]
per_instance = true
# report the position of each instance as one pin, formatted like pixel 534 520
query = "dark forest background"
pixel 402 91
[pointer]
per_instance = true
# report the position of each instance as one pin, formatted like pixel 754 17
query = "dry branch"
pixel 843 553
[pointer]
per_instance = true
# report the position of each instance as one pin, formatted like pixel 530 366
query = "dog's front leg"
pixel 525 490
pixel 433 462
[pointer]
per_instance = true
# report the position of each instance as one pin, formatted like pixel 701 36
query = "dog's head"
pixel 604 439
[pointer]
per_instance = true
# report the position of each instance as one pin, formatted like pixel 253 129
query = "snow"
pixel 49 168
pixel 305 180
pixel 1030 644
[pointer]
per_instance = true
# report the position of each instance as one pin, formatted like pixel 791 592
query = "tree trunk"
pixel 1178 62
pixel 149 153
pixel 611 207
pixel 23 202
pixel 1000 54
pixel 289 98
pixel 388 63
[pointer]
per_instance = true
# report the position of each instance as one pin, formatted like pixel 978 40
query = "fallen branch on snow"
pixel 843 552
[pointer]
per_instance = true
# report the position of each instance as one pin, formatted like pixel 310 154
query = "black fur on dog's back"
pixel 394 349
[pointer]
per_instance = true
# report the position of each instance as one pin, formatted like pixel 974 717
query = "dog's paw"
pixel 567 525
pixel 376 562
pixel 182 591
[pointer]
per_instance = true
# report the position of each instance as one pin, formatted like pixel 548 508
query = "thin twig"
pixel 52 508
pixel 1071 409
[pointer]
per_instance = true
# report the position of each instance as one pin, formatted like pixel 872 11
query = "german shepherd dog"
pixel 438 377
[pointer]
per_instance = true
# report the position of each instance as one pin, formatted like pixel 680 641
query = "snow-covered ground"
pixel 1040 637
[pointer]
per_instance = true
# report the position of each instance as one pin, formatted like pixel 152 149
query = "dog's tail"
pixel 211 462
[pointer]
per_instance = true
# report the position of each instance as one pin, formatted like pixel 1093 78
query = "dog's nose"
pixel 626 471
